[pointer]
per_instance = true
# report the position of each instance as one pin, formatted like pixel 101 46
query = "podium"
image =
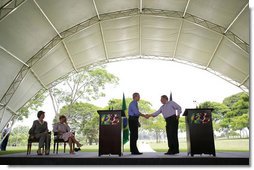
pixel 199 129
pixel 110 132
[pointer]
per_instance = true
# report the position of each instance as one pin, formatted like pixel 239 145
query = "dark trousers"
pixel 133 125
pixel 172 133
pixel 4 143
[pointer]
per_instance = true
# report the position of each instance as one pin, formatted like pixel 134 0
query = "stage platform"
pixel 148 158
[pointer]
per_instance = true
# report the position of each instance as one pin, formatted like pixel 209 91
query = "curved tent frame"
pixel 41 43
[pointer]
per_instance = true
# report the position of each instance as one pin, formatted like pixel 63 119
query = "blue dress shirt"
pixel 133 109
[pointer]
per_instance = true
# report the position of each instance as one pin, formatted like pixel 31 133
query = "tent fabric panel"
pixel 53 65
pixel 157 48
pixel 22 28
pixel 121 37
pixel 220 12
pixel 159 35
pixel 126 28
pixel 9 68
pixel 74 12
pixel 238 29
pixel 202 40
pixel 86 46
pixel 89 56
pixel 226 69
pixel 115 5
pixel 173 5
pixel 123 48
pixel 233 56
pixel 5 116
pixel 26 90
pixel 231 62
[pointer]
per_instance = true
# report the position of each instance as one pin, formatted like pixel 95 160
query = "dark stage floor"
pixel 148 158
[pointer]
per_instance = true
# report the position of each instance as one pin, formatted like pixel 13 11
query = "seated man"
pixel 39 130
pixel 63 129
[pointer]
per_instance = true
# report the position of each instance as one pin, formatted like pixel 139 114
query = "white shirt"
pixel 169 109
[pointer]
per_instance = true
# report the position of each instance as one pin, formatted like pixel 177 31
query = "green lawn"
pixel 10 150
pixel 221 145
pixel 85 148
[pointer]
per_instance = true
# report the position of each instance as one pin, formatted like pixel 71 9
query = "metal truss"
pixel 13 4
pixel 14 86
pixel 166 58
pixel 240 85
pixel 245 80
pixel 111 16
pixel 24 70
pixel 43 90
pixel 159 13
pixel 162 13
pixel 9 7
pixel 11 119
pixel 220 30
pixel 246 5
pixel 4 108
pixel 177 39
pixel 65 46
pixel 140 34
pixel 186 7
pixel 214 52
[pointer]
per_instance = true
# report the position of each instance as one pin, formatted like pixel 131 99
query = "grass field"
pixel 221 145
pixel 85 148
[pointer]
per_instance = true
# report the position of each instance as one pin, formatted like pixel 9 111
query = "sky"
pixel 153 78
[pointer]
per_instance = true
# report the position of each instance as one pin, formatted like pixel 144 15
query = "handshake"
pixel 147 116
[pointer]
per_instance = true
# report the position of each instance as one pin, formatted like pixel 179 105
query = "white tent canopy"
pixel 44 40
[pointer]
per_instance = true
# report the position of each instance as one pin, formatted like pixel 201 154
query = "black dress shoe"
pixel 136 153
pixel 171 153
pixel 77 149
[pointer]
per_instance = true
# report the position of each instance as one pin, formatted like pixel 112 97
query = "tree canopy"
pixel 83 119
pixel 85 85
pixel 32 105
pixel 232 114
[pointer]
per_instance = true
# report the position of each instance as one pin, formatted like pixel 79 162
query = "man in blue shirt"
pixel 134 124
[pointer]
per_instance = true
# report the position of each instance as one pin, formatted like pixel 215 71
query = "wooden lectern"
pixel 110 132
pixel 199 129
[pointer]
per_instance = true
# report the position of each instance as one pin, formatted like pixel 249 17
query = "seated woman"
pixel 39 130
pixel 63 129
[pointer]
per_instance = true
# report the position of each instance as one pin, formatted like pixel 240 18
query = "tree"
pixel 182 125
pixel 83 119
pixel 231 115
pixel 84 85
pixel 219 115
pixel 157 125
pixel 32 105
pixel 19 136
pixel 239 114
